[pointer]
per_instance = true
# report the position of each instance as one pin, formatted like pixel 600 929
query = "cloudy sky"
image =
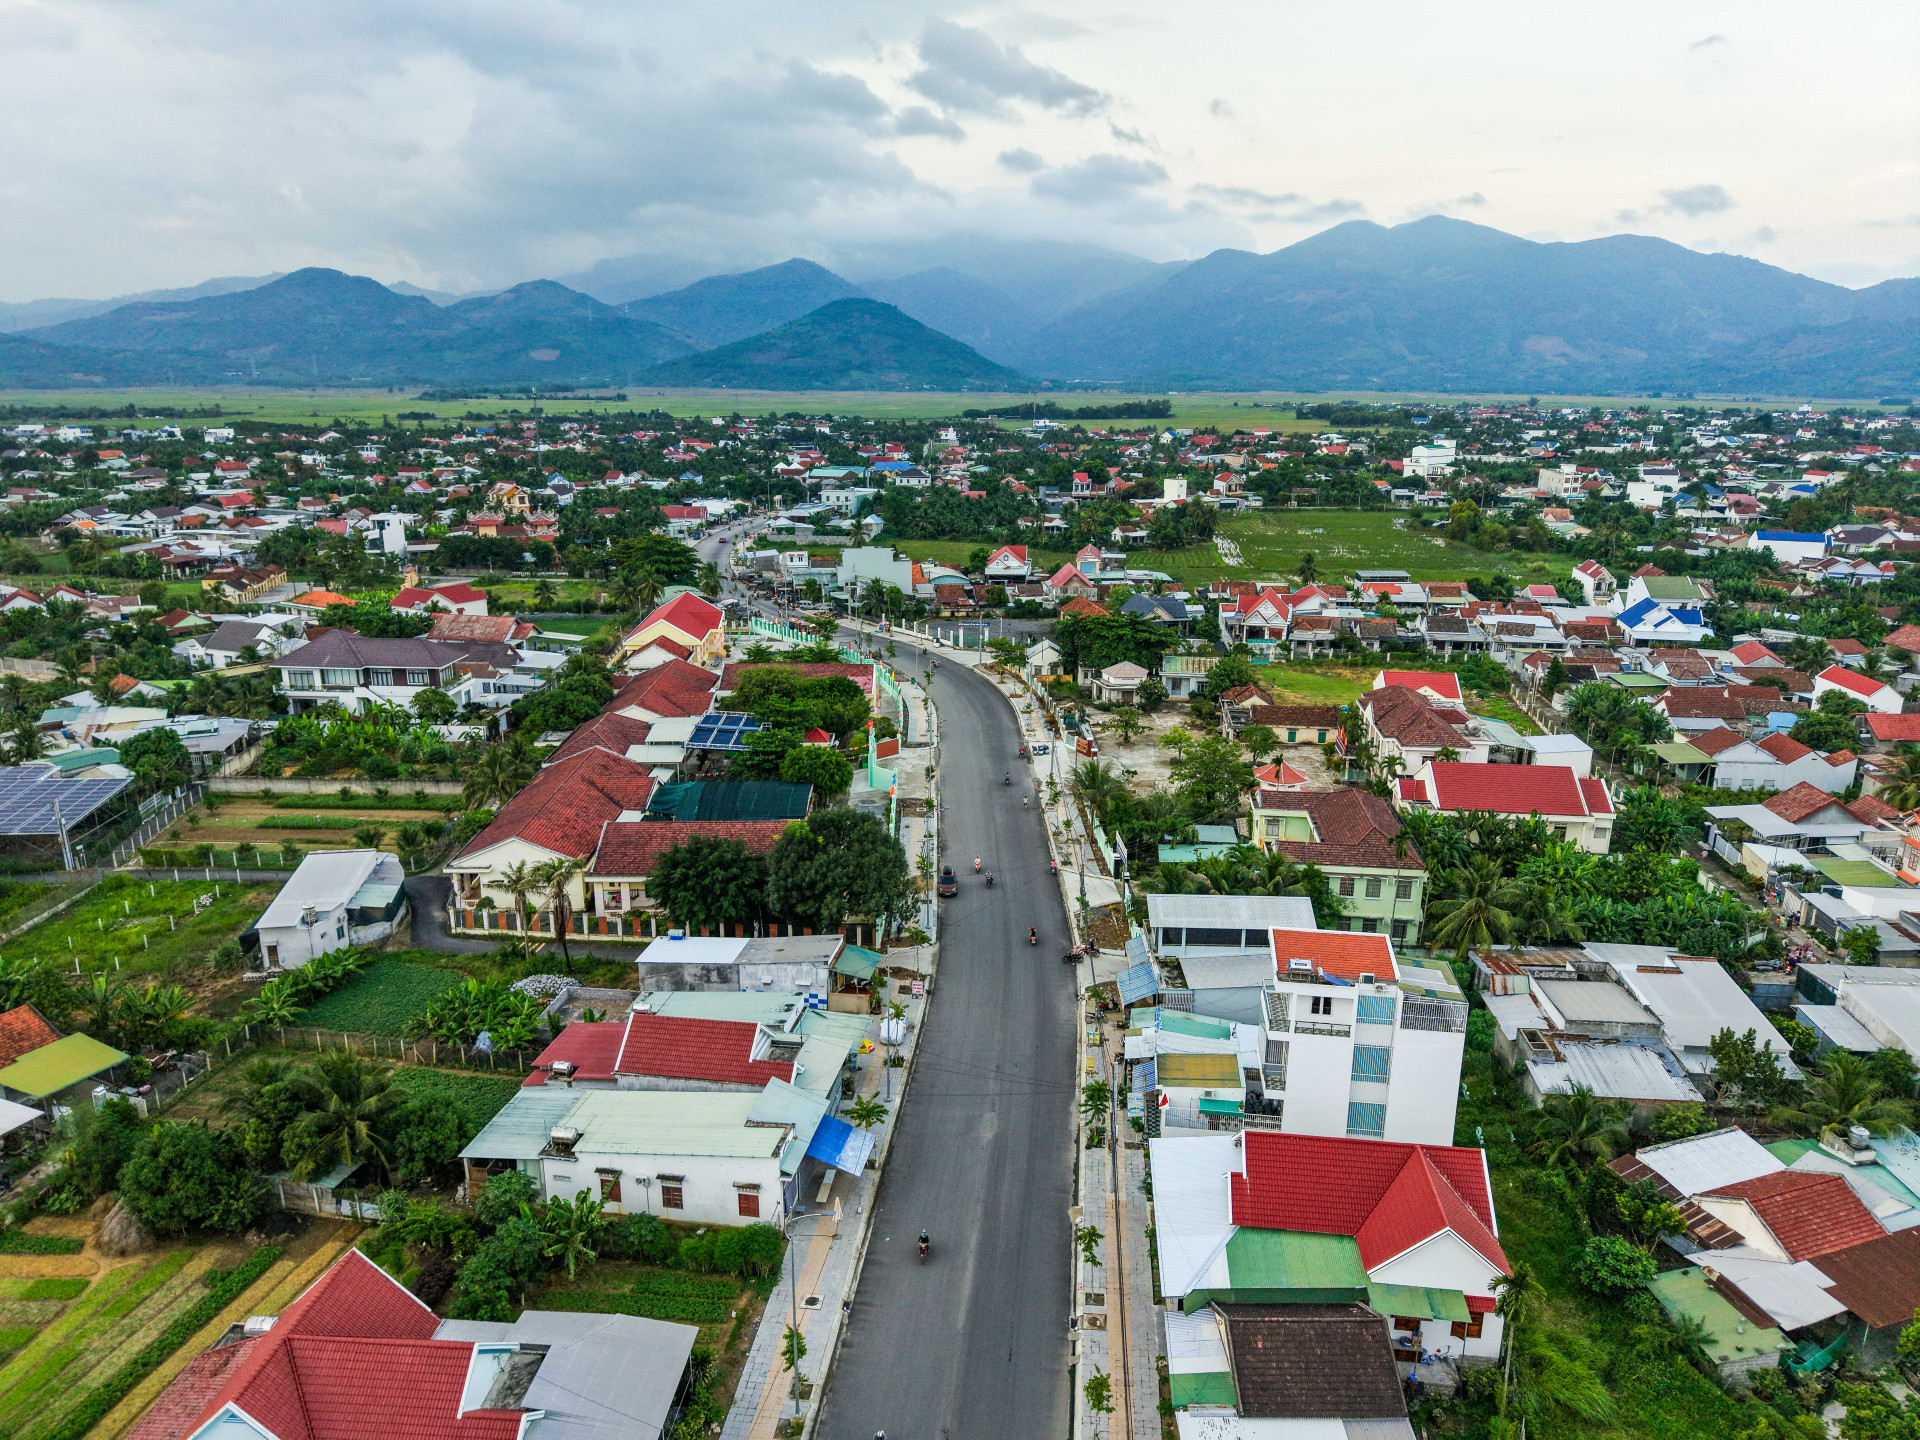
pixel 467 143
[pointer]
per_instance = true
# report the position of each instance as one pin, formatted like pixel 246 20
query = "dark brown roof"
pixel 1297 715
pixel 1313 1362
pixel 1878 1281
pixel 1356 828
pixel 1405 715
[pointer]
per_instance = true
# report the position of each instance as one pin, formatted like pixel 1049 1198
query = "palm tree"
pixel 1475 911
pixel 1544 915
pixel 1843 1095
pixel 369 837
pixel 545 594
pixel 1097 784
pixel 496 776
pixel 1901 789
pixel 1577 1125
pixel 350 1108
pixel 1306 569
pixel 709 580
pixel 646 587
pixel 1516 1297
pixel 556 876
pixel 518 881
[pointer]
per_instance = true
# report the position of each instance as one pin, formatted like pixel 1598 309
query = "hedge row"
pixel 223 1288
pixel 363 802
pixel 164 859
pixel 19 1242
pixel 687 1309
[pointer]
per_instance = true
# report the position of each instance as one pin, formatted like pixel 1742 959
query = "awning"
pixel 52 1068
pixel 856 963
pixel 13 1116
pixel 1418 1302
pixel 838 1144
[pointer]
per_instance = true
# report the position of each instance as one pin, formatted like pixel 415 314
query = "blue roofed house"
pixel 1648 621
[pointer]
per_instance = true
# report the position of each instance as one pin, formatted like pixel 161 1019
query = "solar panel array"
pixel 28 794
pixel 724 730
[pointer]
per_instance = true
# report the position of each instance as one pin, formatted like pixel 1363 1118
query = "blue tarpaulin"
pixel 1146 1075
pixel 838 1144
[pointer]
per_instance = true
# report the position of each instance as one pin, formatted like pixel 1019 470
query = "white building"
pixel 1182 925
pixel 1789 547
pixel 1876 695
pixel 335 899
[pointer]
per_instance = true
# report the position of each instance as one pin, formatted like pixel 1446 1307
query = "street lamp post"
pixel 793 1299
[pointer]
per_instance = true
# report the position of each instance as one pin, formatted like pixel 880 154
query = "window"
pixel 1399 932
pixel 1226 939
pixel 1559 832
pixel 1403 889
pixel 1470 1329
pixel 1345 922
pixel 1372 1062
pixel 749 1205
pixel 1172 935
pixel 1346 885
pixel 300 679
pixel 380 677
pixel 1366 1121
pixel 339 678
pixel 417 677
pixel 1374 1009
pixel 1373 887
pixel 1371 925
pixel 1322 1005
pixel 609 1186
pixel 672 1197
pixel 1292 736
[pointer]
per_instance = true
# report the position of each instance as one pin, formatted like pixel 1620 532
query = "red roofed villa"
pixel 1576 807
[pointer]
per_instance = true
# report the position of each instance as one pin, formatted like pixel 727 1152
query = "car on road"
pixel 948 884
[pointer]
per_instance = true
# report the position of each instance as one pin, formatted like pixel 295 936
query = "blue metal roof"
pixel 838 1144
pixel 1805 537
pixel 1138 983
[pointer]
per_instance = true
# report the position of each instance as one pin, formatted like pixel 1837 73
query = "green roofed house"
pixel 60 1073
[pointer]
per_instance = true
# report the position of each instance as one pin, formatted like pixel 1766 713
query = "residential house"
pixel 1694 999
pixel 560 815
pixel 1117 684
pixel 1290 724
pixel 1303 1220
pixel 358 671
pixel 1576 809
pixel 1790 547
pixel 1354 837
pixel 628 850
pixel 1183 675
pixel 1776 762
pixel 1404 724
pixel 705 1157
pixel 336 898
pixel 358 1343
pixel 224 645
pixel 1245 1369
pixel 1440 687
pixel 1877 695
pixel 1596 582
pixel 62 1072
pixel 1648 622
pixel 1186 925
pixel 1008 565
pixel 1259 621
pixel 1804 820
pixel 455 599
pixel 686 620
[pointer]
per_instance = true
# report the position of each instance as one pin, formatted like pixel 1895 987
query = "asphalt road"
pixel 973 1345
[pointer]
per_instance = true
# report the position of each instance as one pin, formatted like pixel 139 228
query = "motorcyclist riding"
pixel 989 880
pixel 925 1245
pixel 976 864
pixel 1033 937
pixel 1009 778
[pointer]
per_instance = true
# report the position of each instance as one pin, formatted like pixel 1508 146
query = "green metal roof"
pixel 1178 1022
pixel 1418 1302
pixel 1671 587
pixel 1293 1260
pixel 1199 1071
pixel 731 800
pixel 1637 681
pixel 1213 1388
pixel 856 963
pixel 1864 873
pixel 1685 1294
pixel 1678 752
pixel 626 1122
pixel 1788 1151
pixel 52 1068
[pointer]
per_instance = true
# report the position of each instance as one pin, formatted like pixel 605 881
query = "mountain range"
pixel 1436 304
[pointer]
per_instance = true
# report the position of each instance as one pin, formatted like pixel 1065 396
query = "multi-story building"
pixel 357 671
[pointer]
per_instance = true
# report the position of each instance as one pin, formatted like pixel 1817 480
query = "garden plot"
pixel 381 999
pixel 144 926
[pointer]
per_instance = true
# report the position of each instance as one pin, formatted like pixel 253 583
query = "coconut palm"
pixel 369 837
pixel 1544 915
pixel 1577 1125
pixel 709 580
pixel 496 775
pixel 518 881
pixel 1475 909
pixel 1843 1095
pixel 1097 784
pixel 1307 570
pixel 555 877
pixel 646 587
pixel 545 594
pixel 1901 789
pixel 349 1108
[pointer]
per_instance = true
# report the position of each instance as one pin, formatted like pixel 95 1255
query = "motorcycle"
pixel 989 880
pixel 925 1246
pixel 1033 937
pixel 976 864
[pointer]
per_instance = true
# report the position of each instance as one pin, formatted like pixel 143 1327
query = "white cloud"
pixel 1021 162
pixel 968 71
pixel 1099 180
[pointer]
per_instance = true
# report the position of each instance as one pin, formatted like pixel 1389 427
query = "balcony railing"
pixel 1314 1027
pixel 1418 1012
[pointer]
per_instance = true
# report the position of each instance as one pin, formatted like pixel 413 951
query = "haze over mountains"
pixel 1436 304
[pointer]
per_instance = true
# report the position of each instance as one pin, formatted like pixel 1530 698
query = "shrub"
pixel 697 1253
pixel 18 1242
pixel 429 1136
pixel 639 1237
pixel 184 1176
pixel 1679 1122
pixel 501 1198
pixel 1613 1266
pixel 752 1251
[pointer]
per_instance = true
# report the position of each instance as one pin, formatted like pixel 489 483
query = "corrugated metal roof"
pixel 1260 1259
pixel 602 1375
pixel 1613 1072
pixel 1707 1162
pixel 1838 1027
pixel 1593 1002
pixel 1226 912
pixel 627 1122
pixel 325 879
pixel 54 1067
pixel 1232 970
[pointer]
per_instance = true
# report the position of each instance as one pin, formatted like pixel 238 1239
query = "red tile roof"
pixel 1336 952
pixel 608 732
pixel 565 806
pixel 1751 652
pixel 630 849
pixel 1802 802
pixel 23 1030
pixel 1784 748
pixel 592 1045
pixel 1516 789
pixel 173 1414
pixel 688 1049
pixel 687 613
pixel 1443 683
pixel 671 690
pixel 1080 605
pixel 1894 728
pixel 1810 1214
pixel 1715 741
pixel 500 629
pixel 1906 638
pixel 1850 680
pixel 1328 1185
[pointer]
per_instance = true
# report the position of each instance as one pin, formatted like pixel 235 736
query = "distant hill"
pixel 854 344
pixel 324 326
pixel 33 314
pixel 970 310
pixel 724 308
pixel 35 365
pixel 1442 304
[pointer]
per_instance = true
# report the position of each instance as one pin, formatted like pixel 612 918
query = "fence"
pixel 492 922
pixel 379 789
pixel 428 1051
pixel 307 1198
pixel 177 804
